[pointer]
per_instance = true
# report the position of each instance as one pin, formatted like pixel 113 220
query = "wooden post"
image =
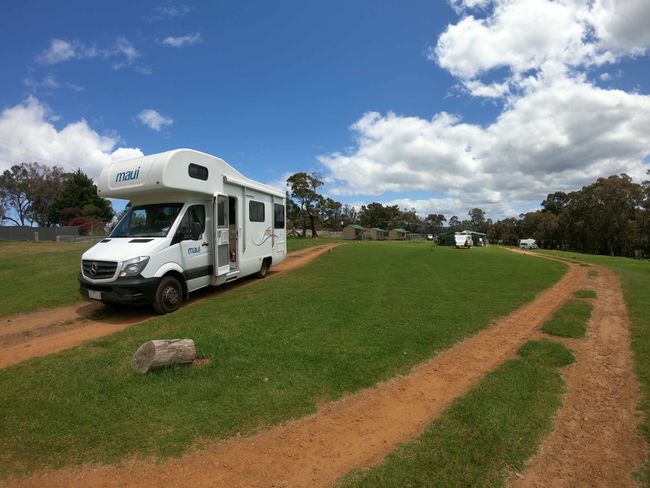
pixel 163 352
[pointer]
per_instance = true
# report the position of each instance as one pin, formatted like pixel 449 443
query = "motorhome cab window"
pixel 194 214
pixel 147 220
pixel 256 211
pixel 198 172
pixel 278 216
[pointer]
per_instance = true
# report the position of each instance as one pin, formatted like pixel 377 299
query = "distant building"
pixel 355 232
pixel 377 234
pixel 397 234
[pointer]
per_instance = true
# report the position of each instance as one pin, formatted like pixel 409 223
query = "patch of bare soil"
pixel 595 441
pixel 357 431
pixel 45 332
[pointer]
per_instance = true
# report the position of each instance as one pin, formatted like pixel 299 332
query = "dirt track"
pixel 357 431
pixel 45 332
pixel 594 442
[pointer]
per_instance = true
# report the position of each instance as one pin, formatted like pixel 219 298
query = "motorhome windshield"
pixel 147 220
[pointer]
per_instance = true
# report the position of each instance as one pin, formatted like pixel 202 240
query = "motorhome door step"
pixel 232 276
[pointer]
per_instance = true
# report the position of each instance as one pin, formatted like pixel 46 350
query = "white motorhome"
pixel 192 221
pixel 527 244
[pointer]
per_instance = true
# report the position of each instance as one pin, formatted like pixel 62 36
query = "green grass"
pixel 570 320
pixel 278 348
pixel 29 269
pixel 492 429
pixel 635 278
pixel 585 294
pixel 35 275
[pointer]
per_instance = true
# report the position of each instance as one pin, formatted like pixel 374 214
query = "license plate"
pixel 95 295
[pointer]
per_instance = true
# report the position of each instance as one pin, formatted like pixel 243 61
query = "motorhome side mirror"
pixel 197 230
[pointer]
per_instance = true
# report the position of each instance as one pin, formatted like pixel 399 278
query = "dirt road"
pixel 45 332
pixel 594 442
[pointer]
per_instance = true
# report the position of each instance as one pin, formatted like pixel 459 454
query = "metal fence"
pixel 20 233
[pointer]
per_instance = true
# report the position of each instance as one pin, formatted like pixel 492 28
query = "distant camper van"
pixel 527 244
pixel 463 240
pixel 192 221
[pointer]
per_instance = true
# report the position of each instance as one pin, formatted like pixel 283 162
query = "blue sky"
pixel 433 105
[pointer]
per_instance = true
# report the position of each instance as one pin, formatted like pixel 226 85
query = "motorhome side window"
pixel 195 214
pixel 278 216
pixel 198 172
pixel 256 211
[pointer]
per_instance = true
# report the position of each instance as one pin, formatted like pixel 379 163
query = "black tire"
pixel 169 295
pixel 264 269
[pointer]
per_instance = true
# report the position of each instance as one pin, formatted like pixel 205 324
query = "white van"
pixel 527 244
pixel 193 221
pixel 463 240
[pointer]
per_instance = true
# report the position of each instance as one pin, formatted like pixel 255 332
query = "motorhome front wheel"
pixel 168 295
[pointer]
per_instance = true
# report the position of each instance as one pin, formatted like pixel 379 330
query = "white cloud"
pixel 27 134
pixel 491 90
pixel 520 36
pixel 61 50
pixel 154 120
pixel 536 146
pixel 122 51
pixel 170 11
pixel 124 48
pixel 49 82
pixel 461 5
pixel 281 183
pixel 182 41
pixel 622 25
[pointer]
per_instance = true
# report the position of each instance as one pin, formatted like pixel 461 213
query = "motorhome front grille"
pixel 99 269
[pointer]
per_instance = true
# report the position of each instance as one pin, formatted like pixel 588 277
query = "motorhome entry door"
pixel 222 236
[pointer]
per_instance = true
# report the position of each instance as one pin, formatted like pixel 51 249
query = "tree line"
pixel 610 216
pixel 33 193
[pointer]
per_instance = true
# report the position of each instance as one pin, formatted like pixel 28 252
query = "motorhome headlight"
pixel 133 267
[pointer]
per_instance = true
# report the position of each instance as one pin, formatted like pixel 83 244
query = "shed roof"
pixel 400 230
pixel 358 227
pixel 379 230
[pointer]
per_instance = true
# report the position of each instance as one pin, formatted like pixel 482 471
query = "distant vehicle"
pixel 527 244
pixel 429 237
pixel 463 239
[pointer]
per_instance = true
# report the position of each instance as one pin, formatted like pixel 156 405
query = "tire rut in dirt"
pixel 594 442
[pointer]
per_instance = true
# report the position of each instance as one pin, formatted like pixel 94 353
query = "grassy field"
pixel 570 320
pixel 28 271
pixel 635 277
pixel 277 348
pixel 486 433
pixel 35 275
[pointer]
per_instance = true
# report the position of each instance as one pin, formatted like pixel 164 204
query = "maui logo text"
pixel 127 175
